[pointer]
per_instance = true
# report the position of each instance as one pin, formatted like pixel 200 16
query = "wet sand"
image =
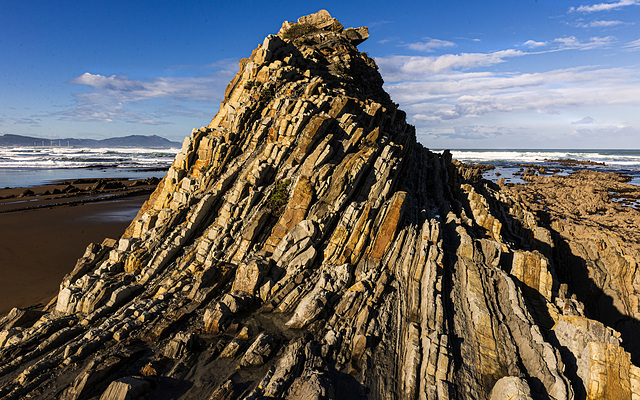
pixel 42 237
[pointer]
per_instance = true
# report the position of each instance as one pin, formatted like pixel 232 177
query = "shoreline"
pixel 43 235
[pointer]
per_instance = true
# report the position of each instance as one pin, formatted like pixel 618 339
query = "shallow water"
pixel 509 162
pixel 123 210
pixel 14 178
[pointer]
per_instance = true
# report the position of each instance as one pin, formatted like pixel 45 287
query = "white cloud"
pixel 571 42
pixel 604 6
pixel 635 45
pixel 533 44
pixel 416 67
pixel 430 45
pixel 600 24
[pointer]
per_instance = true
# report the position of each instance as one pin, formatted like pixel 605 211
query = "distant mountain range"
pixel 152 141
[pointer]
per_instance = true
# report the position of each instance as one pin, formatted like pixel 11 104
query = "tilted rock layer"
pixel 304 245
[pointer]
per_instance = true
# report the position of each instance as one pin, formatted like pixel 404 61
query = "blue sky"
pixel 469 74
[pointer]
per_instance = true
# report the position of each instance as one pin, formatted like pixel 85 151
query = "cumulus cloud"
pixel 430 45
pixel 533 44
pixel 604 6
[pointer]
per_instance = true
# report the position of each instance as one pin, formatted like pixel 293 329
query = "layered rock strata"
pixel 304 245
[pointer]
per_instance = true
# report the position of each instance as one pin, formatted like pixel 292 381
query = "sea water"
pixel 509 162
pixel 32 166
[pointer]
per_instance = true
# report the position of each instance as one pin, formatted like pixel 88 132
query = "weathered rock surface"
pixel 304 245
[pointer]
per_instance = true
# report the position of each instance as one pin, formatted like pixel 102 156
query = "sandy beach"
pixel 42 235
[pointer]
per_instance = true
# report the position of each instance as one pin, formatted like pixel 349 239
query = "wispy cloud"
pixel 468 132
pixel 37 122
pixel 151 122
pixel 123 89
pixel 226 66
pixel 604 6
pixel 635 45
pixel 430 45
pixel 105 113
pixel 600 24
pixel 375 24
pixel 392 39
pixel 571 42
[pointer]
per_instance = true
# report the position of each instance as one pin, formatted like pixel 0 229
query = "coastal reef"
pixel 304 245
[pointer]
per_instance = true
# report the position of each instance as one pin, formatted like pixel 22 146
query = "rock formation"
pixel 304 245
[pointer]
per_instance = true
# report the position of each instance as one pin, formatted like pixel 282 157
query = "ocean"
pixel 32 166
pixel 509 162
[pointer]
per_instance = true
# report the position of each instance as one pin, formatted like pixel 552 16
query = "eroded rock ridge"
pixel 304 245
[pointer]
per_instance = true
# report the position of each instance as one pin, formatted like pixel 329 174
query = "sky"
pixel 497 74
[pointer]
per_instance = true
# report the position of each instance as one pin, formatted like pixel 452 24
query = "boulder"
pixel 511 388
pixel 357 35
pixel 128 388
pixel 249 274
pixel 260 350
pixel 181 343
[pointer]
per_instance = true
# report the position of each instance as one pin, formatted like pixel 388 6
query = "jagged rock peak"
pixel 322 22
pixel 304 245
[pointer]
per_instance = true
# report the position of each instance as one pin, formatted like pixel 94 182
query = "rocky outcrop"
pixel 304 245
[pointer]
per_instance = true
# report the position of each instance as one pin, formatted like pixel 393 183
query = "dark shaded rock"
pixel 128 388
pixel 27 193
pixel 260 350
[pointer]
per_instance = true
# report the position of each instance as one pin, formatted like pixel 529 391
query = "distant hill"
pixel 153 141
